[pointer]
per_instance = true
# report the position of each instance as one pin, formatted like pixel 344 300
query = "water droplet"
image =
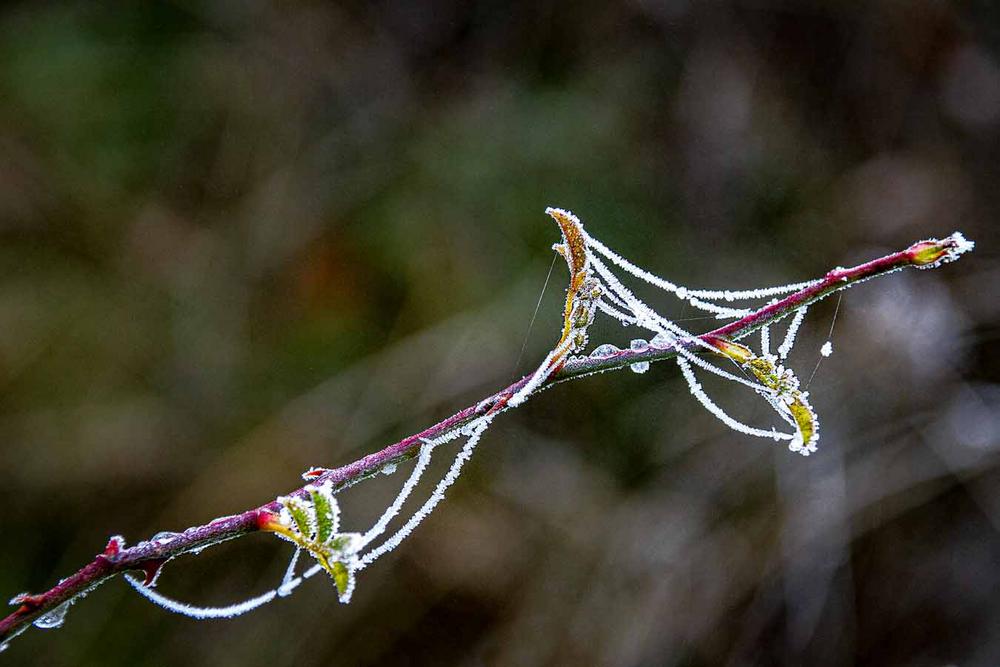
pixel 164 536
pixel 388 468
pixel 640 367
pixel 52 619
pixel 638 345
pixel 605 350
pixel 661 340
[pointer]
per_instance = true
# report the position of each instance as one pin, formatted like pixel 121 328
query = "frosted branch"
pixel 309 516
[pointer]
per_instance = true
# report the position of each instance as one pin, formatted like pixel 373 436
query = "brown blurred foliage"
pixel 241 238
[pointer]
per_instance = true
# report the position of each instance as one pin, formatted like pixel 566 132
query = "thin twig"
pixel 150 555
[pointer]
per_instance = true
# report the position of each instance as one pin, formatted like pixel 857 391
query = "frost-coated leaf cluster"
pixel 312 523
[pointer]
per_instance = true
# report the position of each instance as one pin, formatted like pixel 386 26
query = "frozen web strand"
pixel 200 612
pixel 650 320
pixel 765 341
pixel 313 570
pixel 429 505
pixel 712 368
pixel 684 292
pixel 699 393
pixel 644 316
pixel 668 336
pixel 608 309
pixel 667 330
pixel 475 431
pixel 608 295
pixel 540 376
pixel 793 329
pixel 411 482
pixel 719 311
pixel 290 582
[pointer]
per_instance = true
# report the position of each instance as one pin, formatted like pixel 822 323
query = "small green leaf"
pixel 326 510
pixel 300 513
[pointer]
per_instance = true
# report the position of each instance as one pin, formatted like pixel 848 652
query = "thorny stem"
pixel 149 556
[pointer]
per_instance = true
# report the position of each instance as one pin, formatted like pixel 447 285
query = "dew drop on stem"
pixel 53 618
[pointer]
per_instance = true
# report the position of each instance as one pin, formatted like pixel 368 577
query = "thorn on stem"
pixel 152 569
pixel 27 602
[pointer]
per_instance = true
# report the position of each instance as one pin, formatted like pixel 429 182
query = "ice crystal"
pixel 827 349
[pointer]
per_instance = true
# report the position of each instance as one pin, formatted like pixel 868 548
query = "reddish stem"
pixel 150 555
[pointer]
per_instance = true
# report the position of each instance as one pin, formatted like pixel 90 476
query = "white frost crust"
pixel 200 613
pixel 474 430
pixel 411 482
pixel 699 393
pixel 684 292
pixel 793 329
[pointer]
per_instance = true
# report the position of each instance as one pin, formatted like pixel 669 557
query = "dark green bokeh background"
pixel 243 238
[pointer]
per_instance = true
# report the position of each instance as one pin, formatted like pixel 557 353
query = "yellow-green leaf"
pixel 341 577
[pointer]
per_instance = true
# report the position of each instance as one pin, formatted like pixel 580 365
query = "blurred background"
pixel 238 239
